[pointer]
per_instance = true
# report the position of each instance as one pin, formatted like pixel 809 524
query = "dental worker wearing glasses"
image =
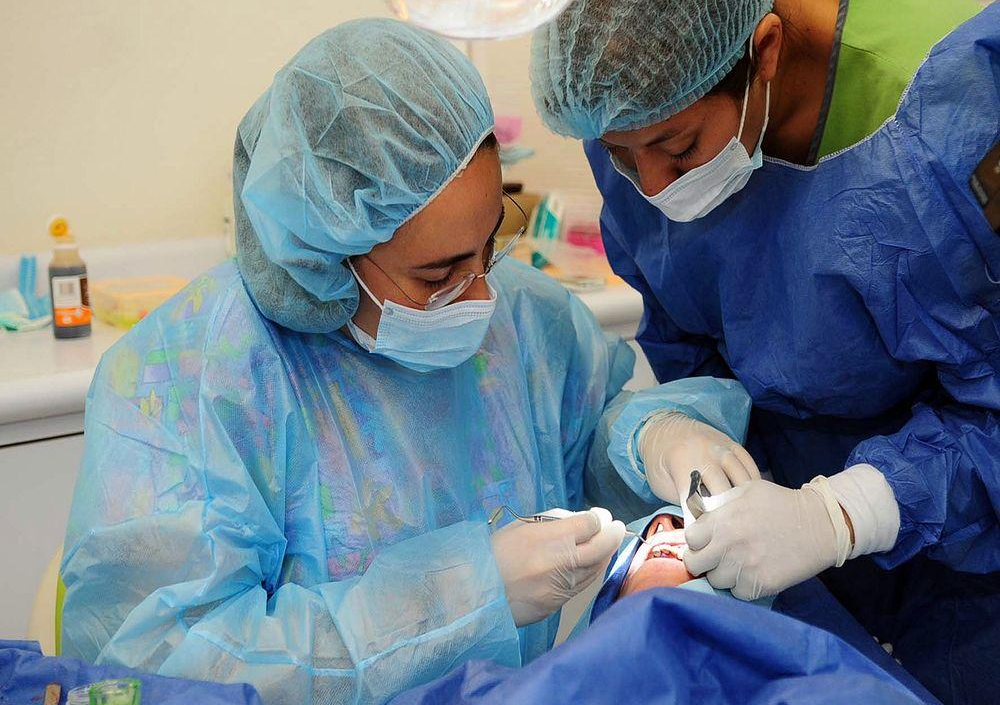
pixel 290 465
pixel 786 182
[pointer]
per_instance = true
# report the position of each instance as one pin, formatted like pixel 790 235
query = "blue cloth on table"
pixel 22 309
pixel 25 672
pixel 678 646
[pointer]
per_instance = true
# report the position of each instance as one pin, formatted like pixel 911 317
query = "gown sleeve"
pixel 939 305
pixel 943 467
pixel 599 367
pixel 696 381
pixel 601 421
pixel 179 559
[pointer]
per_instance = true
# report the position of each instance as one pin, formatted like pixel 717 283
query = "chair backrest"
pixel 43 623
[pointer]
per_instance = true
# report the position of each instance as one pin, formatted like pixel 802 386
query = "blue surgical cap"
pixel 356 134
pixel 610 65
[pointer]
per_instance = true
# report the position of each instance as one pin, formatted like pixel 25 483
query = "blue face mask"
pixel 427 340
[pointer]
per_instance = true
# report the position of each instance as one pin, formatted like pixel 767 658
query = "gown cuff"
pixel 870 503
pixel 721 403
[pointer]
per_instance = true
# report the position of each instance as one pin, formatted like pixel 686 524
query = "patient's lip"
pixel 677 540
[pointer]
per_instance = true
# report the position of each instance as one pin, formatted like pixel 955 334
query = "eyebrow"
pixel 669 132
pixel 445 262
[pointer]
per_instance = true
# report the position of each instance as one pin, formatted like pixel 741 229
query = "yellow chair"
pixel 43 625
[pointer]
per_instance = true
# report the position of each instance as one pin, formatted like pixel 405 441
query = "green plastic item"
pixel 120 691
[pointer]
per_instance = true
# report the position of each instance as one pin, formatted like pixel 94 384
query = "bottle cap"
pixel 59 228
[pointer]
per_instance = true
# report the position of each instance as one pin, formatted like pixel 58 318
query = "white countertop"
pixel 44 377
pixel 48 377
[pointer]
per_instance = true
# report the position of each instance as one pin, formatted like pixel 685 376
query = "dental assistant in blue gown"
pixel 290 465
pixel 786 182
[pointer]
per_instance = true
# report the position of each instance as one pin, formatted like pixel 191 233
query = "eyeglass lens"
pixel 447 295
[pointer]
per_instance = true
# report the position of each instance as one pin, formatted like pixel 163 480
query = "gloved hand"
pixel 672 444
pixel 545 564
pixel 765 538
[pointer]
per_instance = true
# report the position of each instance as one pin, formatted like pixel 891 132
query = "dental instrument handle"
pixel 695 503
pixel 638 536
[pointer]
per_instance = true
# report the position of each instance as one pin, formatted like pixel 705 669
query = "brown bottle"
pixel 68 285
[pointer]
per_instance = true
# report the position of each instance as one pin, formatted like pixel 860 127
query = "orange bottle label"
pixel 70 301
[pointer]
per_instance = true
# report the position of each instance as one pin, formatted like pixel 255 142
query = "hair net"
pixel 360 130
pixel 606 65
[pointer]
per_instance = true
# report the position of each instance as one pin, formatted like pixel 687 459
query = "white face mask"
pixel 427 340
pixel 700 190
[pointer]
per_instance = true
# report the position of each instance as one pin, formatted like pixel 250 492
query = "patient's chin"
pixel 658 572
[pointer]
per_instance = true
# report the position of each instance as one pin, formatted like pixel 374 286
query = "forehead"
pixel 693 117
pixel 461 217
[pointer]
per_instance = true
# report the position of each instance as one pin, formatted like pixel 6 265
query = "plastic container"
pixel 579 268
pixel 581 223
pixel 564 215
pixel 586 235
pixel 566 234
pixel 79 696
pixel 117 691
pixel 120 691
pixel 126 301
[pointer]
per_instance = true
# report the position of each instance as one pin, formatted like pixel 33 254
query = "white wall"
pixel 121 114
pixel 558 163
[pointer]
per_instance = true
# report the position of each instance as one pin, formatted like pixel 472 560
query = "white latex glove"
pixel 545 564
pixel 765 538
pixel 671 445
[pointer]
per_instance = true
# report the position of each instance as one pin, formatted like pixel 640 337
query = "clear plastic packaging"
pixel 566 234
pixel 126 301
pixel 118 691
pixel 121 691
pixel 79 696
pixel 579 268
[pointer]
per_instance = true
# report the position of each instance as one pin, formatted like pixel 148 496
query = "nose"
pixel 655 169
pixel 477 291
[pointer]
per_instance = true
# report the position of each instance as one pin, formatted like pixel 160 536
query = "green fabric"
pixel 60 597
pixel 882 46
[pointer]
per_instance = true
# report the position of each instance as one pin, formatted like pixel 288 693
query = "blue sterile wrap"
pixel 25 672
pixel 679 646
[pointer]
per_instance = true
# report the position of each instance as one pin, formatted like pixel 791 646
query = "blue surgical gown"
pixel 856 302
pixel 288 510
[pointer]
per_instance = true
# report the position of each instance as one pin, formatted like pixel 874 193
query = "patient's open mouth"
pixel 665 550
pixel 664 539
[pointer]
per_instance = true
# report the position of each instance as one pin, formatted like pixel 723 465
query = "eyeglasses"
pixel 491 256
